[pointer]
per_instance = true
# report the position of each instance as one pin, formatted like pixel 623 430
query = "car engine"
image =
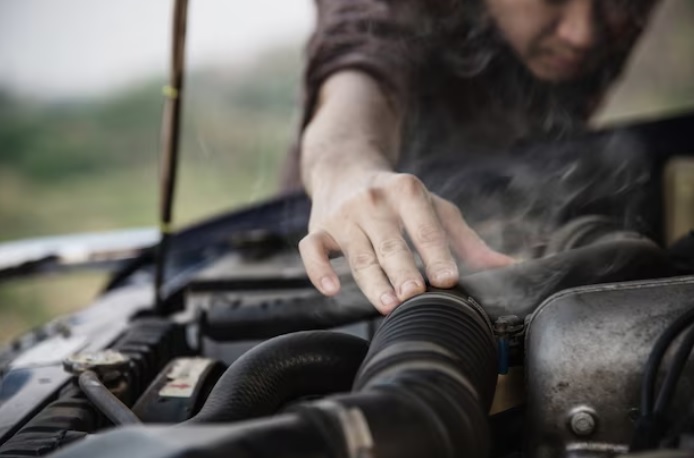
pixel 255 363
pixel 582 349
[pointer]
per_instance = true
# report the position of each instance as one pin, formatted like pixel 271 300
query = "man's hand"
pixel 367 218
pixel 365 210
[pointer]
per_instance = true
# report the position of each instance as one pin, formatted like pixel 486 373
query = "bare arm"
pixel 351 113
pixel 361 206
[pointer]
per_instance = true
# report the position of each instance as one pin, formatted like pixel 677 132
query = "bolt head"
pixel 583 423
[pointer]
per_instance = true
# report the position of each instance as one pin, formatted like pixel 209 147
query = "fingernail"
pixel 389 300
pixel 410 288
pixel 328 284
pixel 445 276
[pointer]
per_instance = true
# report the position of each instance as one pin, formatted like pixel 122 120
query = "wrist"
pixel 331 165
pixel 329 177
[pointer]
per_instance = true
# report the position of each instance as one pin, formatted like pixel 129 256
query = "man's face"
pixel 562 40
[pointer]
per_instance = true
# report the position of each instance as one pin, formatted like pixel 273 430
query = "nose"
pixel 577 27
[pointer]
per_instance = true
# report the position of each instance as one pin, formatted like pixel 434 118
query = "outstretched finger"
pixel 315 251
pixel 394 256
pixel 427 233
pixel 471 249
pixel 367 272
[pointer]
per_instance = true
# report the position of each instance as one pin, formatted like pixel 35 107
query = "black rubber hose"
pixel 435 353
pixel 587 230
pixel 424 390
pixel 288 435
pixel 656 357
pixel 667 390
pixel 650 427
pixel 312 313
pixel 436 326
pixel 282 370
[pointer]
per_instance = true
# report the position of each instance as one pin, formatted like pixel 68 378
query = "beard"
pixel 474 48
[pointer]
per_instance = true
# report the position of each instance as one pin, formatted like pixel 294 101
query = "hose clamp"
pixel 354 425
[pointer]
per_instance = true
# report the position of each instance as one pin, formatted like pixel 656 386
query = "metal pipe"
pixel 105 401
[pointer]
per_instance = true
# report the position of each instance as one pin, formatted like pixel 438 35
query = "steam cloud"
pixel 517 200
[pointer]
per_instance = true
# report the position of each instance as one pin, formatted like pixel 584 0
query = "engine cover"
pixel 586 351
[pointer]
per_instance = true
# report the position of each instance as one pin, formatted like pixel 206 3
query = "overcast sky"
pixel 73 47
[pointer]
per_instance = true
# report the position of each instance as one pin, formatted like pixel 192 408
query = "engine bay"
pixel 582 349
pixel 257 363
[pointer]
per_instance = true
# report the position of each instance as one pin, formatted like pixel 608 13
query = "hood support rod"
pixel 170 137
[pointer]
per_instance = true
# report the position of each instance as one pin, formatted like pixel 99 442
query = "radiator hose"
pixel 423 391
pixel 427 383
pixel 281 370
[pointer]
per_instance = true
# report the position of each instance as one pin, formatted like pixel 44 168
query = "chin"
pixel 552 75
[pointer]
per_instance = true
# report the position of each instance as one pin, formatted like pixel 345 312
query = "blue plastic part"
pixel 503 355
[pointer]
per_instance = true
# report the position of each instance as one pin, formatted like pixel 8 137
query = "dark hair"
pixel 470 45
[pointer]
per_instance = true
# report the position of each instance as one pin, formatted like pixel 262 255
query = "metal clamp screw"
pixel 583 423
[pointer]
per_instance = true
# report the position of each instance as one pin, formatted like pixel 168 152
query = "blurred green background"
pixel 92 164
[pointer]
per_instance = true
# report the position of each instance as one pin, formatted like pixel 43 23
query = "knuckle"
pixel 450 210
pixel 370 196
pixel 314 249
pixel 367 199
pixel 408 185
pixel 430 234
pixel 307 243
pixel 390 247
pixel 362 260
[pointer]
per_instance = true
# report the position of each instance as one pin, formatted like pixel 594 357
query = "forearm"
pixel 355 129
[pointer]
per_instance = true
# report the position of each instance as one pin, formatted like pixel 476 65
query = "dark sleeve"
pixel 387 39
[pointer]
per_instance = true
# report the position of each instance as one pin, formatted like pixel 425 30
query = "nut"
pixel 583 423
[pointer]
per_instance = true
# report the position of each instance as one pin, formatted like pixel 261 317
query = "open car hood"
pixel 87 250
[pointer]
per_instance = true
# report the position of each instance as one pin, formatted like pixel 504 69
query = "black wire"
pixel 676 367
pixel 651 427
pixel 683 425
pixel 656 357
